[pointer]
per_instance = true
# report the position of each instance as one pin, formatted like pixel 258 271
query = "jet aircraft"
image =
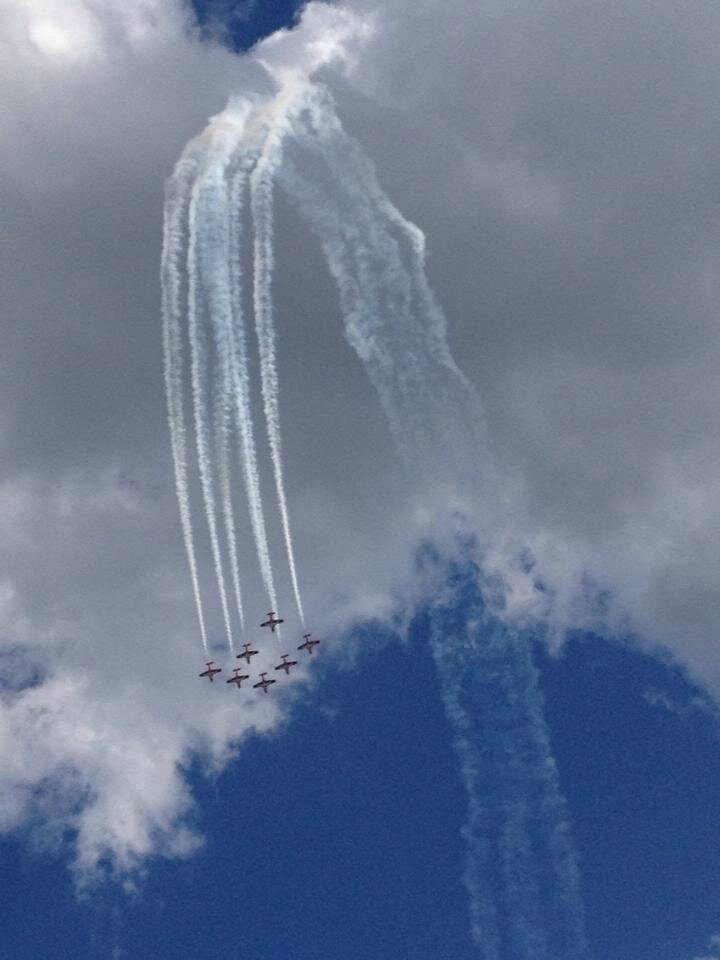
pixel 247 653
pixel 211 671
pixel 272 621
pixel 264 683
pixel 238 678
pixel 308 644
pixel 286 664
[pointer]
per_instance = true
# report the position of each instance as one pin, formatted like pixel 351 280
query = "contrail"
pixel 199 360
pixel 241 385
pixel 222 438
pixel 213 258
pixel 391 317
pixel 220 264
pixel 261 201
pixel 521 872
pixel 176 202
pixel 199 194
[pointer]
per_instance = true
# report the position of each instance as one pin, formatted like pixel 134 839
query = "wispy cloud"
pixel 521 872
pixel 713 950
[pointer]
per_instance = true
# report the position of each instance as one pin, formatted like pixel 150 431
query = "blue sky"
pixel 340 834
pixel 245 22
pixel 343 831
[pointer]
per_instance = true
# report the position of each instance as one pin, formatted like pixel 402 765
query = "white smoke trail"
pixel 391 317
pixel 519 843
pixel 199 192
pixel 241 386
pixel 261 200
pixel 214 264
pixel 176 202
pixel 199 360
pixel 222 437
pixel 221 270
pixel 521 871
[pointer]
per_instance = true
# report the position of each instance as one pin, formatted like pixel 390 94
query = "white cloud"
pixel 100 704
pixel 568 239
pixel 108 711
pixel 713 949
pixel 563 182
pixel 326 35
pixel 69 32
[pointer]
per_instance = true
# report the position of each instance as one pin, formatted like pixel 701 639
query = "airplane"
pixel 272 621
pixel 286 664
pixel 247 653
pixel 211 671
pixel 263 683
pixel 308 644
pixel 239 677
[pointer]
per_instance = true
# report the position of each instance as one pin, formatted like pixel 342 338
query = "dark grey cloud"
pixel 564 167
pixel 561 159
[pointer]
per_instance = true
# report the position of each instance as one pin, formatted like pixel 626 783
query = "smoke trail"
pixel 521 872
pixel 391 317
pixel 222 437
pixel 199 359
pixel 241 384
pixel 220 267
pixel 261 201
pixel 176 202
pixel 213 260
pixel 199 192
pixel 220 264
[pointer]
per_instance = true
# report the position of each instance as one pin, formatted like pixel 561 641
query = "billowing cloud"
pixel 100 706
pixel 563 187
pixel 326 36
pixel 563 168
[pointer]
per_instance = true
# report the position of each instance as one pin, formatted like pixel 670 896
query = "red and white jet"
pixel 308 644
pixel 211 671
pixel 238 678
pixel 286 664
pixel 247 653
pixel 272 621
pixel 264 683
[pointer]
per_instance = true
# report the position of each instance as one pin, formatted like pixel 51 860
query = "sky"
pixel 499 459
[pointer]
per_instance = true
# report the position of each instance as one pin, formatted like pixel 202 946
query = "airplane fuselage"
pixel 308 644
pixel 272 621
pixel 264 683
pixel 210 672
pixel 286 664
pixel 238 678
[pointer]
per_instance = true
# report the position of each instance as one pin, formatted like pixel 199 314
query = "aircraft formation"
pixel 263 683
